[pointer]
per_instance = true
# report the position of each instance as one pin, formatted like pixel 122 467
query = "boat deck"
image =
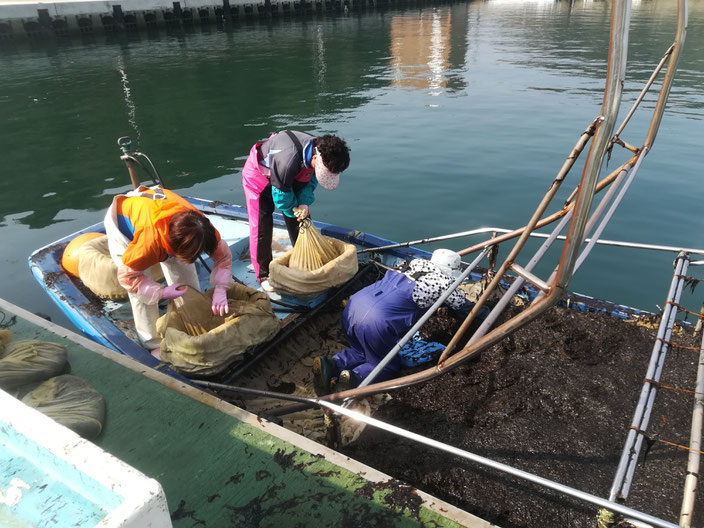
pixel 221 466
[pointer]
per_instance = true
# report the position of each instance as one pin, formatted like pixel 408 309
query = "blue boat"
pixel 109 322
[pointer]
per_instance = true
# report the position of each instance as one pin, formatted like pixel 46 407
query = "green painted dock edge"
pixel 220 465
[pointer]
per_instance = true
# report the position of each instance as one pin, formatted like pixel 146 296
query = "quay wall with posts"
pixel 20 19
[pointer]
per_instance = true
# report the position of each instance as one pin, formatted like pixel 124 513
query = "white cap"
pixel 448 261
pixel 326 178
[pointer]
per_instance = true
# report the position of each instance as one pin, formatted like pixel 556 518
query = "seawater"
pixel 458 116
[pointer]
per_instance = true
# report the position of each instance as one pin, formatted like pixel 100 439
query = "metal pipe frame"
pixel 643 92
pixel 513 232
pixel 673 53
pixel 615 76
pixel 691 481
pixel 680 35
pixel 614 205
pixel 526 275
pixel 590 225
pixel 498 309
pixel 641 416
pixel 608 198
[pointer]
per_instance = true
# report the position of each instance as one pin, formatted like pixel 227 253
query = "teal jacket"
pixel 288 156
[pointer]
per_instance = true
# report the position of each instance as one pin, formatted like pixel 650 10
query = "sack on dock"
pixel 72 402
pixel 30 361
pixel 98 270
pixel 250 321
pixel 295 272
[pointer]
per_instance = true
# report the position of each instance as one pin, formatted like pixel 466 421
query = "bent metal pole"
pixel 619 186
pixel 615 76
pixel 620 17
pixel 561 488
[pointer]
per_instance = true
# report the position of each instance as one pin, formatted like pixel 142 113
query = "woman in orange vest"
pixel 150 226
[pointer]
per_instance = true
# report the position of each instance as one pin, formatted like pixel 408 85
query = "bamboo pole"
pixel 691 481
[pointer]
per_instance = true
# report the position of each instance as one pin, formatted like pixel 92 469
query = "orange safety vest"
pixel 148 213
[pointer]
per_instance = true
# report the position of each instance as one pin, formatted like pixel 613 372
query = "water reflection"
pixel 422 49
pixel 195 100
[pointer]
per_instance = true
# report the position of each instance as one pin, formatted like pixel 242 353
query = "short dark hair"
pixel 336 155
pixel 190 234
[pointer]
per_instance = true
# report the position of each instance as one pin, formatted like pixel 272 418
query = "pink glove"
pixel 173 291
pixel 220 306
pixel 301 212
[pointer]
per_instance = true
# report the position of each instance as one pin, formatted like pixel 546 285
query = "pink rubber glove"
pixel 301 212
pixel 220 306
pixel 172 292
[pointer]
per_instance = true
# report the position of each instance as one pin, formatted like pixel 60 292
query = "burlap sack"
pixel 304 284
pixel 29 361
pixel 98 271
pixel 250 321
pixel 5 338
pixel 70 401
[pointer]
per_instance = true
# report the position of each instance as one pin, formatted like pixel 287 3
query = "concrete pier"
pixel 220 465
pixel 31 19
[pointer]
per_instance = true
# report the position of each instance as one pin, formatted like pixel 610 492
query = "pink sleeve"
pixel 222 266
pixel 136 282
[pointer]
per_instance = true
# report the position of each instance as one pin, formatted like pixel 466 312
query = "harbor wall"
pixel 19 19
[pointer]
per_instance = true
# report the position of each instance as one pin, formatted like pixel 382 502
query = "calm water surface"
pixel 458 116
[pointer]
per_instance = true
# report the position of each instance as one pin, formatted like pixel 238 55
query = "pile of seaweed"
pixel 555 399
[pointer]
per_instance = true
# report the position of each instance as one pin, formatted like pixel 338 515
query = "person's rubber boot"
pixel 345 381
pixel 324 368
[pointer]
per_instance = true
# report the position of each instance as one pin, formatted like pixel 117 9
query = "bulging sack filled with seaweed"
pixel 315 264
pixel 30 361
pixel 98 270
pixel 195 341
pixel 70 401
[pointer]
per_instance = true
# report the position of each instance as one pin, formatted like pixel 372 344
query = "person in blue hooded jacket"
pixel 378 316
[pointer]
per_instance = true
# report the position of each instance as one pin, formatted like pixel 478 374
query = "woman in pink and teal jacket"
pixel 282 172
